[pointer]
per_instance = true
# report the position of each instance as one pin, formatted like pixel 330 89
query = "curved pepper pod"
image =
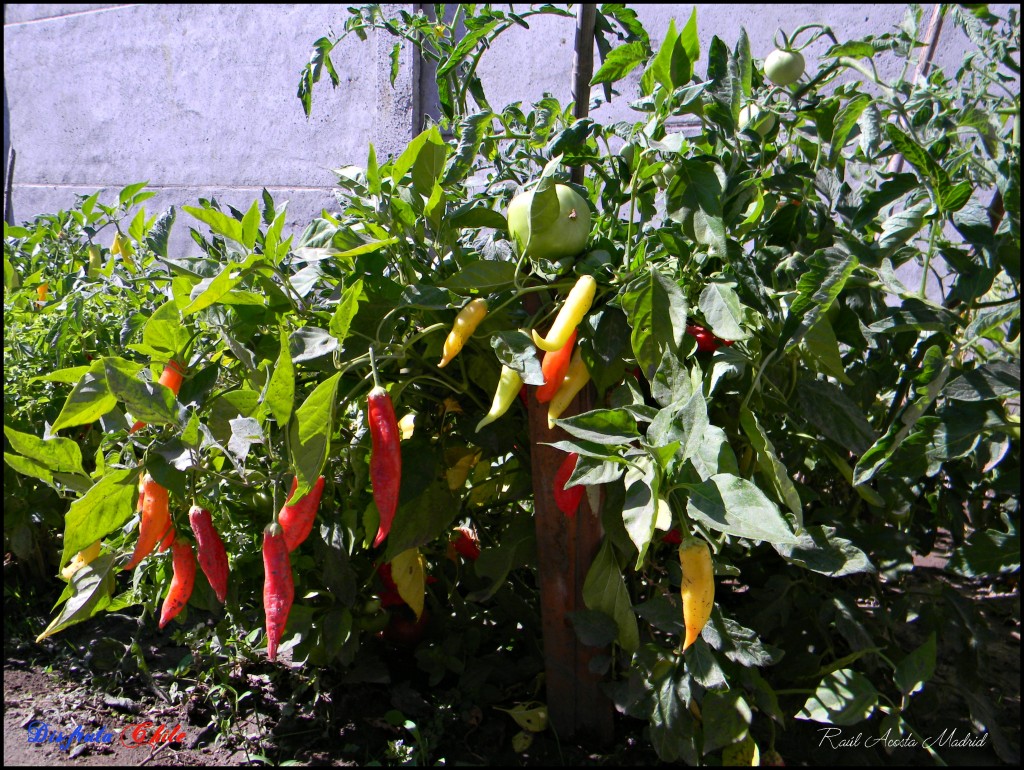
pixel 212 556
pixel 698 586
pixel 278 586
pixel 554 366
pixel 297 519
pixel 154 522
pixel 181 584
pixel 573 309
pixel 568 499
pixel 509 385
pixel 465 324
pixel 575 380
pixel 385 458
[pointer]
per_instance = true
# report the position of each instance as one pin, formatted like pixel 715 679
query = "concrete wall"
pixel 200 99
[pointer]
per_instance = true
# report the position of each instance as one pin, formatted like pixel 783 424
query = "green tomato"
pixel 761 122
pixel 784 67
pixel 564 235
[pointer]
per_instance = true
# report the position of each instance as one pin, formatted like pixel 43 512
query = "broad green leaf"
pixel 348 306
pixel 150 403
pixel 105 507
pixel 311 433
pixel 88 401
pixel 771 467
pixel 722 310
pixel 843 698
pixel 604 426
pixel 916 669
pixel 835 414
pixel 639 512
pixel 218 222
pixel 733 505
pixel 605 591
pixel 91 589
pixel 60 455
pixel 280 395
pixel 820 550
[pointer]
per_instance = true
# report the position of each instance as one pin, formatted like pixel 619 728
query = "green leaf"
pixel 104 508
pixel 280 395
pixel 91 589
pixel 844 698
pixel 605 591
pixel 826 275
pixel 733 505
pixel 656 309
pixel 917 668
pixel 88 401
pixel 727 719
pixel 310 433
pixel 251 226
pixel 150 403
pixel 348 306
pixel 516 350
pixel 835 414
pixel 619 63
pixel 487 276
pixel 604 426
pixel 60 455
pixel 639 512
pixel 722 310
pixel 819 550
pixel 771 467
pixel 218 222
pixel 163 331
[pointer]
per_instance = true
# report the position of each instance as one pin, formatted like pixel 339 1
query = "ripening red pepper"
pixel 673 537
pixel 297 520
pixel 707 342
pixel 555 365
pixel 155 519
pixel 385 459
pixel 168 539
pixel 568 500
pixel 278 586
pixel 212 556
pixel 467 545
pixel 181 583
pixel 171 377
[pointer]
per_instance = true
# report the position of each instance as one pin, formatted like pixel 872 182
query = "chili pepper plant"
pixel 801 336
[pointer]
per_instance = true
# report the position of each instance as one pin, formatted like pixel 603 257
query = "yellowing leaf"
pixel 742 754
pixel 407 425
pixel 532 716
pixel 408 570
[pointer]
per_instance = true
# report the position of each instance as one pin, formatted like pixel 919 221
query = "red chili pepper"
pixel 385 459
pixel 466 545
pixel 182 582
pixel 522 397
pixel 212 556
pixel 168 539
pixel 555 365
pixel 297 520
pixel 172 377
pixel 706 341
pixel 278 585
pixel 673 537
pixel 156 518
pixel 568 500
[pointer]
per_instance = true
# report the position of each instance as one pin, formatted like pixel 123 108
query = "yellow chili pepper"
pixel 508 388
pixel 698 586
pixel 575 307
pixel 95 261
pixel 465 324
pixel 575 379
pixel 80 559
